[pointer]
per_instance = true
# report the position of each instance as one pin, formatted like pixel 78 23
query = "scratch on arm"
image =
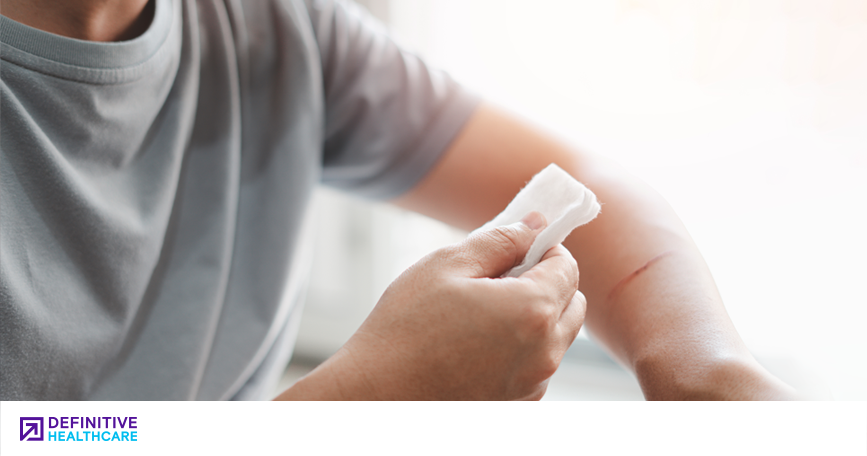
pixel 631 276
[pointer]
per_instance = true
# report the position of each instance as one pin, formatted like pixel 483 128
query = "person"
pixel 157 161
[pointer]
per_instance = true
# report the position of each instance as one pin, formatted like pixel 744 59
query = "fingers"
pixel 557 275
pixel 572 317
pixel 492 253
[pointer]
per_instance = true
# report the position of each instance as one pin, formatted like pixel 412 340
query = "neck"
pixel 91 20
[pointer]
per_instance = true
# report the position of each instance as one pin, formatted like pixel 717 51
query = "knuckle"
pixel 570 272
pixel 581 301
pixel 474 262
pixel 461 255
pixel 549 365
pixel 549 314
pixel 435 258
pixel 499 242
pixel 573 267
pixel 451 253
pixel 566 284
pixel 563 271
pixel 457 254
pixel 447 251
pixel 537 320
pixel 503 238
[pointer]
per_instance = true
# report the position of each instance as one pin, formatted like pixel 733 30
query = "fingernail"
pixel 534 220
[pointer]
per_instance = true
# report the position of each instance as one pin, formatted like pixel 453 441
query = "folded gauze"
pixel 565 203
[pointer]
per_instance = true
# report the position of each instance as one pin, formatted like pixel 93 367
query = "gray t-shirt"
pixel 154 192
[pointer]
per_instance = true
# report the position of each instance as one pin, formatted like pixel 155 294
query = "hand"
pixel 450 328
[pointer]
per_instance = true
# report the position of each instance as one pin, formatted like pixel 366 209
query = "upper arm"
pixel 496 154
pixel 388 115
pixel 487 164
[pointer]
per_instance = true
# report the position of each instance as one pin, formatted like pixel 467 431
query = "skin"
pixel 652 301
pixel 90 20
pixel 447 329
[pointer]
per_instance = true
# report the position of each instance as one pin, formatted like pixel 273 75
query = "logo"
pixel 79 429
pixel 32 428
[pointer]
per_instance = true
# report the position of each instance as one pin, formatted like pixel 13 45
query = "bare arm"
pixel 651 298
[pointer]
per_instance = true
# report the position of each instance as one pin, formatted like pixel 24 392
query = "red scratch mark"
pixel 629 278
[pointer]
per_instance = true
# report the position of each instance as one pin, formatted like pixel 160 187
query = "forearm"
pixel 651 299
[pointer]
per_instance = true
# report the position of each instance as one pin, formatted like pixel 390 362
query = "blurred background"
pixel 749 116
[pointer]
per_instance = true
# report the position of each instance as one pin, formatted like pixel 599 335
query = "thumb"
pixel 491 253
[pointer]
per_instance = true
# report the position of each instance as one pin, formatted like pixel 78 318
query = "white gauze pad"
pixel 565 203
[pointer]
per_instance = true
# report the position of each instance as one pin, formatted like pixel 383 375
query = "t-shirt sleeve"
pixel 389 117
